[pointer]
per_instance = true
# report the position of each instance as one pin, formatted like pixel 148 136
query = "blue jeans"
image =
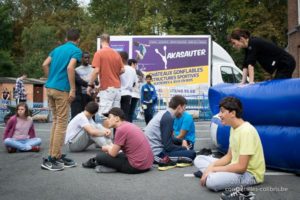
pixel 22 145
pixel 187 155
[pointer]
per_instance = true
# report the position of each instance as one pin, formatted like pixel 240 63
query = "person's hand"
pixel 71 96
pixel 185 144
pixel 105 148
pixel 205 174
pixel 89 90
pixel 107 132
pixel 144 106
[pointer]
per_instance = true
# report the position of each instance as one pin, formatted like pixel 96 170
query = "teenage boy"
pixel 244 163
pixel 159 132
pixel 148 98
pixel 136 155
pixel 184 129
pixel 82 131
pixel 59 67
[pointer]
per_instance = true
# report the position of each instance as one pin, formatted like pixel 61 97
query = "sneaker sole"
pixel 166 168
pixel 181 165
pixel 48 168
pixel 70 166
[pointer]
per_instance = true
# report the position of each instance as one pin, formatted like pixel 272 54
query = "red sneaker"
pixel 35 148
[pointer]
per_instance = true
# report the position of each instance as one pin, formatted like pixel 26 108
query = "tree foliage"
pixel 30 29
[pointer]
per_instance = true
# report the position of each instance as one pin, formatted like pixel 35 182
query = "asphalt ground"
pixel 22 178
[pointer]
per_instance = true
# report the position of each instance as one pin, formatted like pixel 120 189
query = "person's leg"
pixel 80 142
pixel 285 69
pixel 226 180
pixel 76 106
pixel 148 112
pixel 133 104
pixel 101 141
pixel 120 163
pixel 116 97
pixel 183 155
pixel 62 115
pixel 106 101
pixel 17 144
pixel 125 105
pixel 34 142
pixel 52 106
pixel 202 162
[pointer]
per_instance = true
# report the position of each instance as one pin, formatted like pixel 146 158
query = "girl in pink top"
pixel 19 132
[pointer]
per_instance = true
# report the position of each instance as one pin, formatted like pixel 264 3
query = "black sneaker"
pixel 166 164
pixel 67 162
pixel 198 174
pixel 91 163
pixel 205 152
pixel 238 194
pixel 52 165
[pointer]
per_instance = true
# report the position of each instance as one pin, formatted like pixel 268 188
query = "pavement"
pixel 22 178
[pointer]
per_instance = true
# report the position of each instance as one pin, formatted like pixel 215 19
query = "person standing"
pixel 85 72
pixel 108 65
pixel 20 92
pixel 273 59
pixel 5 96
pixel 59 67
pixel 82 77
pixel 148 98
pixel 128 80
pixel 136 90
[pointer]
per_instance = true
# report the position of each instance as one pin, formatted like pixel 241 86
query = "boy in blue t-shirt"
pixel 184 129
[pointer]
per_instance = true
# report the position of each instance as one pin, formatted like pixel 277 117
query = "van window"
pixel 230 75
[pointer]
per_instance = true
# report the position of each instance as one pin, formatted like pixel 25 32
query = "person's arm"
pixel 31 132
pixel 9 126
pixel 154 95
pixel 240 167
pixel 245 74
pixel 8 96
pixel 166 128
pixel 96 132
pixel 92 80
pixel 112 150
pixel 71 77
pixel 46 65
pixel 79 80
pixel 182 134
pixel 251 73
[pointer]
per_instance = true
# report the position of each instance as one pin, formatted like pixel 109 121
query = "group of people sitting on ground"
pixel 132 151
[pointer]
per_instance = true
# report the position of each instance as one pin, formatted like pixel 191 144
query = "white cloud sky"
pixel 83 2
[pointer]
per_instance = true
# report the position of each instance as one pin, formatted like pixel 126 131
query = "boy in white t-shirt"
pixel 82 131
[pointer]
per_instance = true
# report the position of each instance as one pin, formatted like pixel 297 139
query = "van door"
pixel 230 75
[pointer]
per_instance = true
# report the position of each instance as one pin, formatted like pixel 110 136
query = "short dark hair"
pixel 118 112
pixel 105 38
pixel 148 76
pixel 132 61
pixel 92 107
pixel 22 104
pixel 73 34
pixel 237 33
pixel 232 104
pixel 124 56
pixel 176 101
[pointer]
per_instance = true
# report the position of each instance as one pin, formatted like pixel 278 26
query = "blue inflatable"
pixel 274 102
pixel 273 108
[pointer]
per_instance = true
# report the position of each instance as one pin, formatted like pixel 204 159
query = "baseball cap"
pixel 116 112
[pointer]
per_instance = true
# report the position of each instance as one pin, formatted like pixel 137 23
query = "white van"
pixel 224 69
